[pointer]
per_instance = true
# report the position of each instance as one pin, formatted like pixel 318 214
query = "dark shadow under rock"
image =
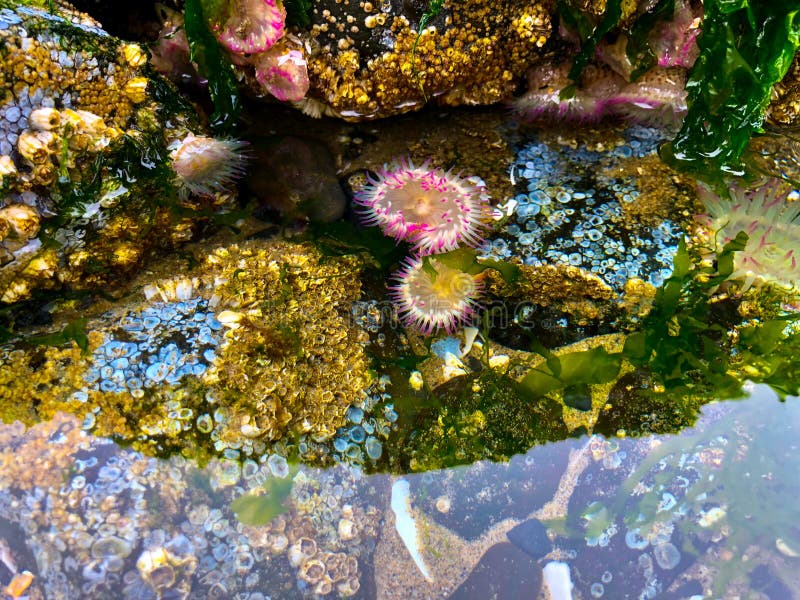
pixel 504 573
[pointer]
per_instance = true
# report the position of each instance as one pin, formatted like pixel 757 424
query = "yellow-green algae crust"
pixel 472 52
pixel 290 359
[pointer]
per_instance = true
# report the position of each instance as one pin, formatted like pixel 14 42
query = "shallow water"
pixel 664 516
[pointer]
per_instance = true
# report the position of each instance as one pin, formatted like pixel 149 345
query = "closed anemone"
pixel 249 26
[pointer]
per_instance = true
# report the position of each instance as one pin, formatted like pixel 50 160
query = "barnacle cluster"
pixel 564 288
pixel 361 440
pixel 573 210
pixel 28 375
pixel 258 345
pixel 292 359
pixel 372 63
pixel 144 352
pixel 84 131
pixel 784 107
pixel 85 509
pixel 324 536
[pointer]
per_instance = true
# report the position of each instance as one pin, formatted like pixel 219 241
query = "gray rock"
pixel 297 177
pixel 504 573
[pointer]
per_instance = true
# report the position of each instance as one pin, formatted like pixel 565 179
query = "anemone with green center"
pixel 769 213
pixel 430 296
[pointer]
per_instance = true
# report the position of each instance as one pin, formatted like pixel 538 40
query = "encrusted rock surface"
pixel 255 345
pixel 86 186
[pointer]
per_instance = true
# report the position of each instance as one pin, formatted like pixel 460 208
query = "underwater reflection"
pixel 705 512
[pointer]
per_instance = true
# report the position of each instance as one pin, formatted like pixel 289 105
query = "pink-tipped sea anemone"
pixel 433 296
pixel 206 165
pixel 433 209
pixel 282 71
pixel 586 103
pixel 657 98
pixel 249 26
pixel 769 213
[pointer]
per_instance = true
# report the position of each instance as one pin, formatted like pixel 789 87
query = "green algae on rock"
pixel 483 417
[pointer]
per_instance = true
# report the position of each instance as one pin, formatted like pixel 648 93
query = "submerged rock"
pixel 481 418
pixel 632 407
pixel 531 537
pixel 296 176
pixel 503 573
pixel 371 62
pixel 102 521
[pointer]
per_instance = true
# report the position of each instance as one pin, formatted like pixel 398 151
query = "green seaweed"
pixel 585 367
pixel 686 340
pixel 690 345
pixel 212 64
pixel 466 260
pixel 579 395
pixel 746 47
pixel 298 12
pixel 163 92
pixel 135 162
pixel 597 518
pixel 341 238
pixel 575 20
pixel 257 510
pixel 74 331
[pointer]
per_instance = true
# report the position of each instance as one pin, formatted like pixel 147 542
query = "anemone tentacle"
pixel 769 214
